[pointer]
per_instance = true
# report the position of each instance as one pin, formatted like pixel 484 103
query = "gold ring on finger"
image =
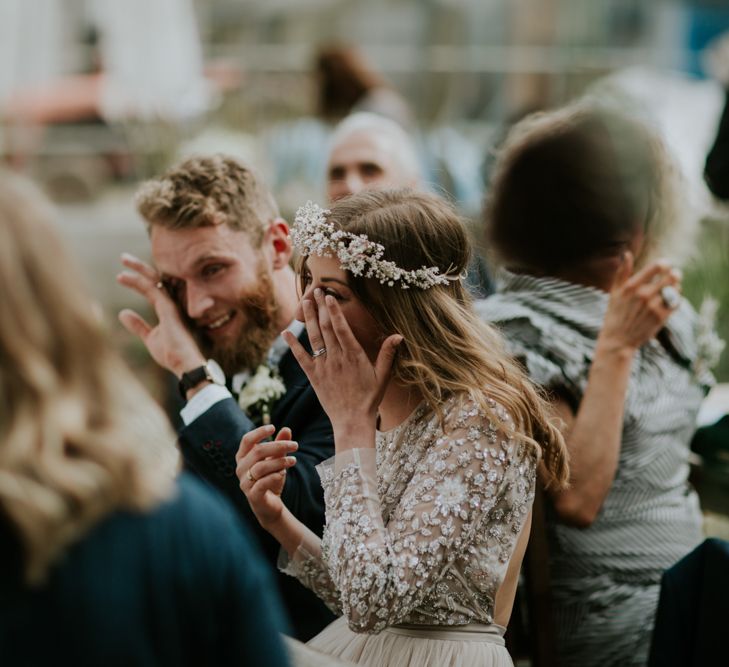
pixel 250 477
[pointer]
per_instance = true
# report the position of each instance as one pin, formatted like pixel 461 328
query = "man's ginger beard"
pixel 250 349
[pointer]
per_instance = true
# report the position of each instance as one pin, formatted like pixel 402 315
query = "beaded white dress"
pixel 418 538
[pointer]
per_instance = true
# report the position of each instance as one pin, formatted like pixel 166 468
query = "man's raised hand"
pixel 169 342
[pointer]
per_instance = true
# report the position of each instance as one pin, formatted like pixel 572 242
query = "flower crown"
pixel 312 234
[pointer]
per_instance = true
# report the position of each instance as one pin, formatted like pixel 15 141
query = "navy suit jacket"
pixel 209 445
pixel 693 610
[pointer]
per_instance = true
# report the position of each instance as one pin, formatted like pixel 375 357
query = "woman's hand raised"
pixel 261 470
pixel 349 386
pixel 639 304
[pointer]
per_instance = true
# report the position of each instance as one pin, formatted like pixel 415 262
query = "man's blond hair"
pixel 205 191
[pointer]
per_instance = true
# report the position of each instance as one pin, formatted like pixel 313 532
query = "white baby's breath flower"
pixel 313 234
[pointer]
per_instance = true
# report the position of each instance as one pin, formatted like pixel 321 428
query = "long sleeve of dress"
pixel 308 566
pixel 468 491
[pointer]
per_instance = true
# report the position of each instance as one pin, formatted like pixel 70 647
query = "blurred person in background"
pixel 370 152
pixel 582 201
pixel 106 559
pixel 222 290
pixel 347 84
pixel 716 169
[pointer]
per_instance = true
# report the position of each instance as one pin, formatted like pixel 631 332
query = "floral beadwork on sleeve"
pixel 426 535
pixel 311 571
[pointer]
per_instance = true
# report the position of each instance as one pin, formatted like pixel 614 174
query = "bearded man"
pixel 222 289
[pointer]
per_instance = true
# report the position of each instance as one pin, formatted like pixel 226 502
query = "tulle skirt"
pixel 472 645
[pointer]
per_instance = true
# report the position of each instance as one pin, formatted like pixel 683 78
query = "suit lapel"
pixel 293 377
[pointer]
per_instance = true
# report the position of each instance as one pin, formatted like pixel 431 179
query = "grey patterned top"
pixel 421 529
pixel 651 516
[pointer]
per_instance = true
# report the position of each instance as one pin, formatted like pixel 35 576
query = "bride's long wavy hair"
pixel 446 349
pixel 79 438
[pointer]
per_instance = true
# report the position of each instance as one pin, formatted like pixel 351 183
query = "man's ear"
pixel 279 241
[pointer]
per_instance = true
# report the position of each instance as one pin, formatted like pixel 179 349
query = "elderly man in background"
pixel 368 151
pixel 371 152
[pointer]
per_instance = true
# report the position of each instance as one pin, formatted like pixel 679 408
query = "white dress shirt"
pixel 211 394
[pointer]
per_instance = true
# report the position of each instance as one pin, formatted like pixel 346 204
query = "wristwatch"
pixel 210 372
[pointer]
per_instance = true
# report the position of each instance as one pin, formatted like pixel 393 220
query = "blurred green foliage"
pixel 707 274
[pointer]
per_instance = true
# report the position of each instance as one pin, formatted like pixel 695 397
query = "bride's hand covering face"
pixel 351 359
pixel 385 269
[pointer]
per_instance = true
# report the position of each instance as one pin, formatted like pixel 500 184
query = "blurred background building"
pixel 236 72
pixel 96 95
pixel 173 75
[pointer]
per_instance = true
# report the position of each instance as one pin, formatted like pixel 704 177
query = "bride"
pixel 437 437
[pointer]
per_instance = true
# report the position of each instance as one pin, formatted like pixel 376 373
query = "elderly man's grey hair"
pixel 402 146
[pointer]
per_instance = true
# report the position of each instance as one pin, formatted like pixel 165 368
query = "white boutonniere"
pixel 708 344
pixel 261 392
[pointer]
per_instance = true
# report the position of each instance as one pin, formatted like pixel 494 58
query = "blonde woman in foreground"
pixel 104 558
pixel 437 436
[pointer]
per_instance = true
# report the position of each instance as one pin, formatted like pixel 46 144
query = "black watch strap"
pixel 192 379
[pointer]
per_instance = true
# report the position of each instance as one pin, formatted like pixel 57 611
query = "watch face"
pixel 216 373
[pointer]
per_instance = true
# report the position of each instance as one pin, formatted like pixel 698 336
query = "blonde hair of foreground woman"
pixel 79 437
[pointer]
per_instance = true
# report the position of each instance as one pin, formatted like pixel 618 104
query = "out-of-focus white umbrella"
pixel 685 111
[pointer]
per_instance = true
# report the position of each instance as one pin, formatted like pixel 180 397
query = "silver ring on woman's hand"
pixel 319 352
pixel 159 284
pixel 670 297
pixel 250 477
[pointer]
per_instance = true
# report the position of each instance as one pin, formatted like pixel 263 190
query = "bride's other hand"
pixel 261 470
pixel 349 386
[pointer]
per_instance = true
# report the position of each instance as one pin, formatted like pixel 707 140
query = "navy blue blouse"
pixel 181 585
